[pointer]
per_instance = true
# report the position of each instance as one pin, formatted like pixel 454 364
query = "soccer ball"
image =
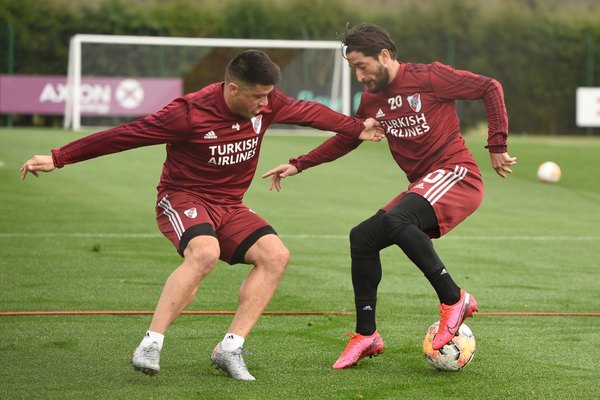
pixel 549 172
pixel 455 355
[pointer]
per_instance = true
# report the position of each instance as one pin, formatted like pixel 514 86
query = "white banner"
pixel 588 107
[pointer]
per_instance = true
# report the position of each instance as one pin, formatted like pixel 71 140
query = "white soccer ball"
pixel 549 172
pixel 455 355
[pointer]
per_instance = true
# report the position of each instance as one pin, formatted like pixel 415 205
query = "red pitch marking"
pixel 541 313
pixel 131 312
pixel 209 312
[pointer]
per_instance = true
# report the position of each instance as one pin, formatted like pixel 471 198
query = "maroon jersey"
pixel 210 151
pixel 418 113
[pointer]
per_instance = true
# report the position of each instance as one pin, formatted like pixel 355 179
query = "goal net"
pixel 116 79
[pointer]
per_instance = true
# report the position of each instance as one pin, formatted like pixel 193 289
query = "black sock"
pixel 365 316
pixel 366 275
pixel 366 240
pixel 445 287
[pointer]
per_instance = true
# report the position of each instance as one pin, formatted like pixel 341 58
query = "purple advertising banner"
pixel 46 95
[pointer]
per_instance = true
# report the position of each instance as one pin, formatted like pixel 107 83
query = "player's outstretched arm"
pixel 501 163
pixel 372 132
pixel 278 173
pixel 37 163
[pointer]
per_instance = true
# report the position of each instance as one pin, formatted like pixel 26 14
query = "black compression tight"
pixel 404 225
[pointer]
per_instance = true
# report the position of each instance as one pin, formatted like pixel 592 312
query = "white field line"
pixel 538 238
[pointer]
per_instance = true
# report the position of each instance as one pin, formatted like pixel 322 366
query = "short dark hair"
pixel 253 67
pixel 368 39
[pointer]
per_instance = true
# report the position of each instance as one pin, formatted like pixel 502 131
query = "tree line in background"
pixel 540 51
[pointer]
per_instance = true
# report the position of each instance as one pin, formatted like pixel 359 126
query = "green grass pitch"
pixel 84 238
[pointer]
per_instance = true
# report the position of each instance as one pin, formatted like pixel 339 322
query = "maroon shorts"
pixel 181 216
pixel 455 192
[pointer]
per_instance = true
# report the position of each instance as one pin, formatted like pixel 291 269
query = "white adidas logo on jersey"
pixel 210 135
pixel 379 114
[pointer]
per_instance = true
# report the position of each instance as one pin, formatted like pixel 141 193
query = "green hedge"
pixel 539 50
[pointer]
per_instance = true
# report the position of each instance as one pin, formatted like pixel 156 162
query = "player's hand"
pixel 501 163
pixel 373 131
pixel 37 163
pixel 278 173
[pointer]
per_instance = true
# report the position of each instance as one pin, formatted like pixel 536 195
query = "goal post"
pixel 114 78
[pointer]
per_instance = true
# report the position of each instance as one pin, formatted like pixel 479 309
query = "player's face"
pixel 247 100
pixel 369 71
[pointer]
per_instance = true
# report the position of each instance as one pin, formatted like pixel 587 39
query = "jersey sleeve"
pixel 167 125
pixel 452 84
pixel 330 150
pixel 312 114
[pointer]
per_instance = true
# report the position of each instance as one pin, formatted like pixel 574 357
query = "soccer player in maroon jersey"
pixel 415 104
pixel 213 139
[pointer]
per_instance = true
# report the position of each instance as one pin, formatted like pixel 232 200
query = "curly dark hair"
pixel 368 39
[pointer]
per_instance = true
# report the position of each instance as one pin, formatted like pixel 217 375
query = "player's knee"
pixel 203 258
pixel 280 259
pixel 362 238
pixel 357 236
pixel 275 260
pixel 394 223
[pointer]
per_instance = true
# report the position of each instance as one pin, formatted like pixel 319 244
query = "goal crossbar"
pixel 341 78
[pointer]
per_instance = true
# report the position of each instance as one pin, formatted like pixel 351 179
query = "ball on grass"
pixel 549 172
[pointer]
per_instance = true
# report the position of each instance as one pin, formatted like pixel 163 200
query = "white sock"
pixel 231 341
pixel 150 337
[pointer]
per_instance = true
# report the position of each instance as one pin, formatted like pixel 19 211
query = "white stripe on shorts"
pixel 445 183
pixel 170 212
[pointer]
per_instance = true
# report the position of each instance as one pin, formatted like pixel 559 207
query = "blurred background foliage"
pixel 540 50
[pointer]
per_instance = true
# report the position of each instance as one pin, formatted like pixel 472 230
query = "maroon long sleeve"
pixel 418 112
pixel 209 150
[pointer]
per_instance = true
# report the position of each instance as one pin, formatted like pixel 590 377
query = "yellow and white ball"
pixel 549 172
